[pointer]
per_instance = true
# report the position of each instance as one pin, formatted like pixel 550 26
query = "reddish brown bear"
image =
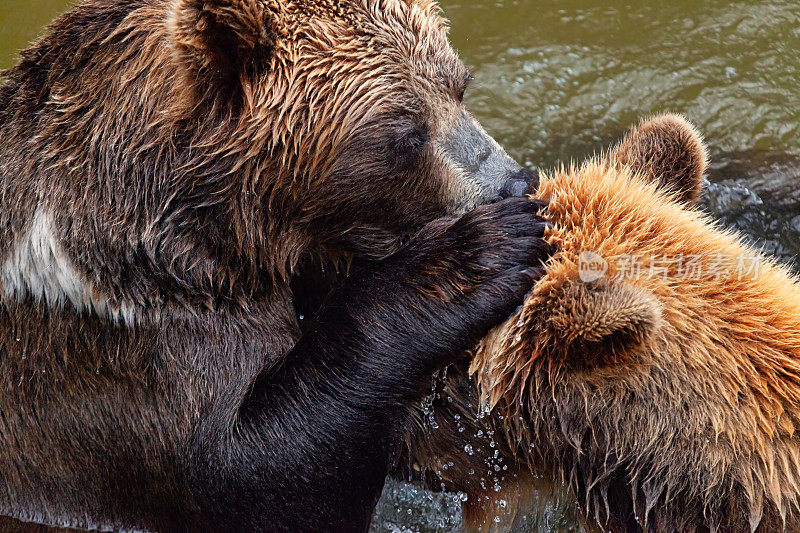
pixel 179 180
pixel 654 372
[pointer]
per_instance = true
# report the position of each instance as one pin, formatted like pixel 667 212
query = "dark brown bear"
pixel 179 181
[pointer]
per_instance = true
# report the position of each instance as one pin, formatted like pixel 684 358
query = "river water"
pixel 557 80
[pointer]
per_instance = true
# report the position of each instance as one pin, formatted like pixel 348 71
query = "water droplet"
pixel 468 449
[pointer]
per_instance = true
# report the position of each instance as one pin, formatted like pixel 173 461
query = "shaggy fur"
pixel 667 150
pixel 457 445
pixel 666 399
pixel 181 183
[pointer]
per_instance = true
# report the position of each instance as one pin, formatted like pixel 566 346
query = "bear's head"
pixel 623 234
pixel 203 149
pixel 577 322
pixel 654 368
pixel 345 119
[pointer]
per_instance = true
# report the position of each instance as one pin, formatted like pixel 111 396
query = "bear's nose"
pixel 520 182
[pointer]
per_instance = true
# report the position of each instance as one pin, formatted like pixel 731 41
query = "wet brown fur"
pixel 667 150
pixel 179 159
pixel 194 158
pixel 665 402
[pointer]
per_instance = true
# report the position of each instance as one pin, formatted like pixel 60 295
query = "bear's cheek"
pixel 368 197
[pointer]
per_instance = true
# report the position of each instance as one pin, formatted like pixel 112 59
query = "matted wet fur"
pixel 181 183
pixel 667 398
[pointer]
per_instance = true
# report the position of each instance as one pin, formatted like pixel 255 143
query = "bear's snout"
pixel 524 181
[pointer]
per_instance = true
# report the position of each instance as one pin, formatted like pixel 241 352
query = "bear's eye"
pixel 464 85
pixel 414 137
pixel 410 142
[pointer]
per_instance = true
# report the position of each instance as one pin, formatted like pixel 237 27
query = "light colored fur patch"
pixel 39 268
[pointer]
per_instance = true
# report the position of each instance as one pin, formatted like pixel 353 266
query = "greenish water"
pixel 555 77
pixel 558 79
pixel 21 21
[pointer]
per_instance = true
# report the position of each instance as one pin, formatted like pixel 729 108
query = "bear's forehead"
pixel 336 9
pixel 363 16
pixel 409 34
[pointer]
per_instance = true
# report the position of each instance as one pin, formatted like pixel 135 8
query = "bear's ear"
pixel 221 44
pixel 602 323
pixel 668 150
